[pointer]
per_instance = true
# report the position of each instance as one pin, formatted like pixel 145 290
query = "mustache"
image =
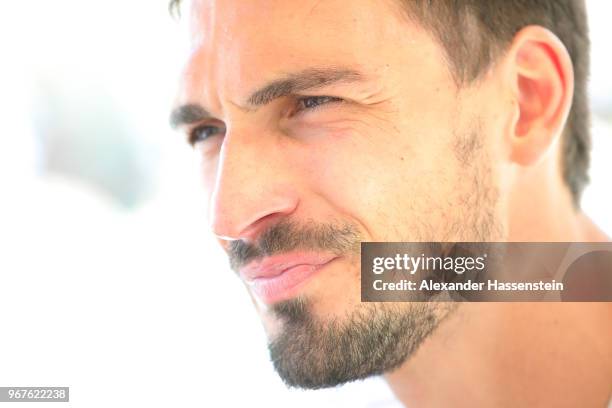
pixel 288 236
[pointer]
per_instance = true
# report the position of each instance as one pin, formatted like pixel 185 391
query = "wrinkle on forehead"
pixel 237 45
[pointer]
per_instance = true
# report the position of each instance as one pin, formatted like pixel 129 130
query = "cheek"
pixel 389 188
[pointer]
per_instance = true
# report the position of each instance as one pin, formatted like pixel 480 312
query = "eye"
pixel 313 102
pixel 202 133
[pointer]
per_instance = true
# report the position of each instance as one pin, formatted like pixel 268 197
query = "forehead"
pixel 237 42
pixel 289 21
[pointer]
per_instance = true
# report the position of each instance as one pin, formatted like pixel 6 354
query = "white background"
pixel 118 292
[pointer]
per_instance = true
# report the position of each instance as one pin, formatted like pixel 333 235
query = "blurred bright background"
pixel 109 281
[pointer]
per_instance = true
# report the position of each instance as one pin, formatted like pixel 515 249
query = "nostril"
pixel 227 233
pixel 255 229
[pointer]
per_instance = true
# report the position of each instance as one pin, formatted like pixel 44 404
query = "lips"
pixel 278 278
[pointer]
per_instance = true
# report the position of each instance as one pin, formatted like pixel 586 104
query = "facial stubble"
pixel 312 352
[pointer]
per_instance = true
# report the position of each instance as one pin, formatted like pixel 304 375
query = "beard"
pixel 373 339
pixel 312 352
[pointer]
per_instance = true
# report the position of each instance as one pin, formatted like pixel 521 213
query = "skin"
pixel 391 159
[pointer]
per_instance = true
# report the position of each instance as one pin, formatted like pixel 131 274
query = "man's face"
pixel 320 125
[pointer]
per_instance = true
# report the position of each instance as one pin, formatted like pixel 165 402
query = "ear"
pixel 542 83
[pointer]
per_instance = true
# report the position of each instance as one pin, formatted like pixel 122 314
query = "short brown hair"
pixel 474 33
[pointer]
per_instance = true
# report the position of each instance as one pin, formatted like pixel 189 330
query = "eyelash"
pixel 320 101
pixel 195 134
pixel 302 105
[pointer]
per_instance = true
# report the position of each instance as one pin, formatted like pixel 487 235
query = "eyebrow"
pixel 187 115
pixel 306 80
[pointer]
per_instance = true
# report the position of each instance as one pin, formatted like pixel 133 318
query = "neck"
pixel 518 354
pixel 521 354
pixel 541 209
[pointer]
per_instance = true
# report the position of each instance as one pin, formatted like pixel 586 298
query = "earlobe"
pixel 543 83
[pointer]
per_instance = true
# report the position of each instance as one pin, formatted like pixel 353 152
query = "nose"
pixel 253 187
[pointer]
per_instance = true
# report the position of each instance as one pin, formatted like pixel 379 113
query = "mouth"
pixel 278 278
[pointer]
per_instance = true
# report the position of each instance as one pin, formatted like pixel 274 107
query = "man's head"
pixel 323 124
